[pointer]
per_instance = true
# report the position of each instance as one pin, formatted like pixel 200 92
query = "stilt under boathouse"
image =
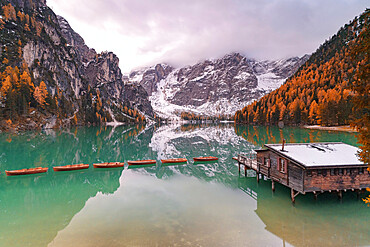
pixel 309 167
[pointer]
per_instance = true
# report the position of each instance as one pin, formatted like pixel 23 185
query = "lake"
pixel 176 205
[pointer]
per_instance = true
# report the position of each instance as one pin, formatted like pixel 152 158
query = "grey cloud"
pixel 184 32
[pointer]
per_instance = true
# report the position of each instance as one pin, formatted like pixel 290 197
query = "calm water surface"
pixel 179 205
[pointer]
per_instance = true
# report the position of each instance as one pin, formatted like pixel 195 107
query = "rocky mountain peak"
pixel 28 4
pixel 150 77
pixel 84 87
pixel 104 74
pixel 232 59
pixel 213 87
pixel 74 39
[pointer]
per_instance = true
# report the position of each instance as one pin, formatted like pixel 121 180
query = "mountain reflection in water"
pixel 204 204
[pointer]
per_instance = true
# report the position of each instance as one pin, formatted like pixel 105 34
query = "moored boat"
pixel 27 171
pixel 175 160
pixel 235 158
pixel 209 158
pixel 109 165
pixel 70 167
pixel 141 162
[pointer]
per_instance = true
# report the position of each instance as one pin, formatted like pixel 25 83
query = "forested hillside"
pixel 50 78
pixel 320 91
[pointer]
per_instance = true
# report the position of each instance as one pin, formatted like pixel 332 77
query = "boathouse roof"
pixel 319 154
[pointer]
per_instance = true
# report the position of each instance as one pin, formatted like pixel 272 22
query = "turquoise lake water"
pixel 176 205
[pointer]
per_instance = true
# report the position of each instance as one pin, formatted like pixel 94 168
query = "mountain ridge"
pixel 320 92
pixel 212 87
pixel 77 85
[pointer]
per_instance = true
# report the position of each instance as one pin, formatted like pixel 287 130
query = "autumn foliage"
pixel 320 92
pixel 198 117
pixel 40 94
pixel 361 90
pixel 18 93
pixel 26 89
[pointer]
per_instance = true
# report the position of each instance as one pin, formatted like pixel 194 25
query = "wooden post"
pixel 245 171
pixel 239 167
pixel 315 195
pixel 273 185
pixel 293 194
pixel 340 195
pixel 258 177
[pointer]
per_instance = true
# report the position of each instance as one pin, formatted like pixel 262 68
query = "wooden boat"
pixel 109 165
pixel 141 162
pixel 175 160
pixel 235 158
pixel 209 158
pixel 70 167
pixel 27 171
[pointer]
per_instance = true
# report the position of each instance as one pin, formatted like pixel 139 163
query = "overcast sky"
pixel 181 32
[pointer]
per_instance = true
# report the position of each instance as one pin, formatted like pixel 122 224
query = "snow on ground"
pixel 167 89
pixel 243 76
pixel 269 81
pixel 137 78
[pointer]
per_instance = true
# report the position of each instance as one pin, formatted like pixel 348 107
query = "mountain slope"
pixel 48 70
pixel 212 87
pixel 318 93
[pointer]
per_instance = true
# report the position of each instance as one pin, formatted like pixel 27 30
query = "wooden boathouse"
pixel 309 167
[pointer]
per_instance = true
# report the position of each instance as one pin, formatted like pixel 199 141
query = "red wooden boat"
pixel 175 160
pixel 141 162
pixel 108 165
pixel 209 158
pixel 235 158
pixel 70 167
pixel 27 171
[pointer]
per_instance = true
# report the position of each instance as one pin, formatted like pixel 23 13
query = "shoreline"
pixel 343 128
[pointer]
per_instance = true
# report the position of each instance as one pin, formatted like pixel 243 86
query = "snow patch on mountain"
pixel 269 82
pixel 212 87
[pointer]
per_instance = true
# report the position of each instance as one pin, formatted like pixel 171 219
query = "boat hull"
pixel 70 167
pixel 27 171
pixel 108 165
pixel 141 162
pixel 179 160
pixel 202 159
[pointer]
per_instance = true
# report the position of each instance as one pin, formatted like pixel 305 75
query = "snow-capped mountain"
pixel 212 87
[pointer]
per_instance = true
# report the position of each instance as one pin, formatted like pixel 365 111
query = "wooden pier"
pixel 250 162
pixel 309 167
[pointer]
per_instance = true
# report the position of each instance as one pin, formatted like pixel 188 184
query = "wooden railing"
pixel 248 160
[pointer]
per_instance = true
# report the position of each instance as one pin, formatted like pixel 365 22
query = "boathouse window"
pixel 340 171
pixel 282 165
pixel 360 170
pixel 309 173
pixel 324 173
pixel 332 173
pixel 319 172
pixel 266 161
